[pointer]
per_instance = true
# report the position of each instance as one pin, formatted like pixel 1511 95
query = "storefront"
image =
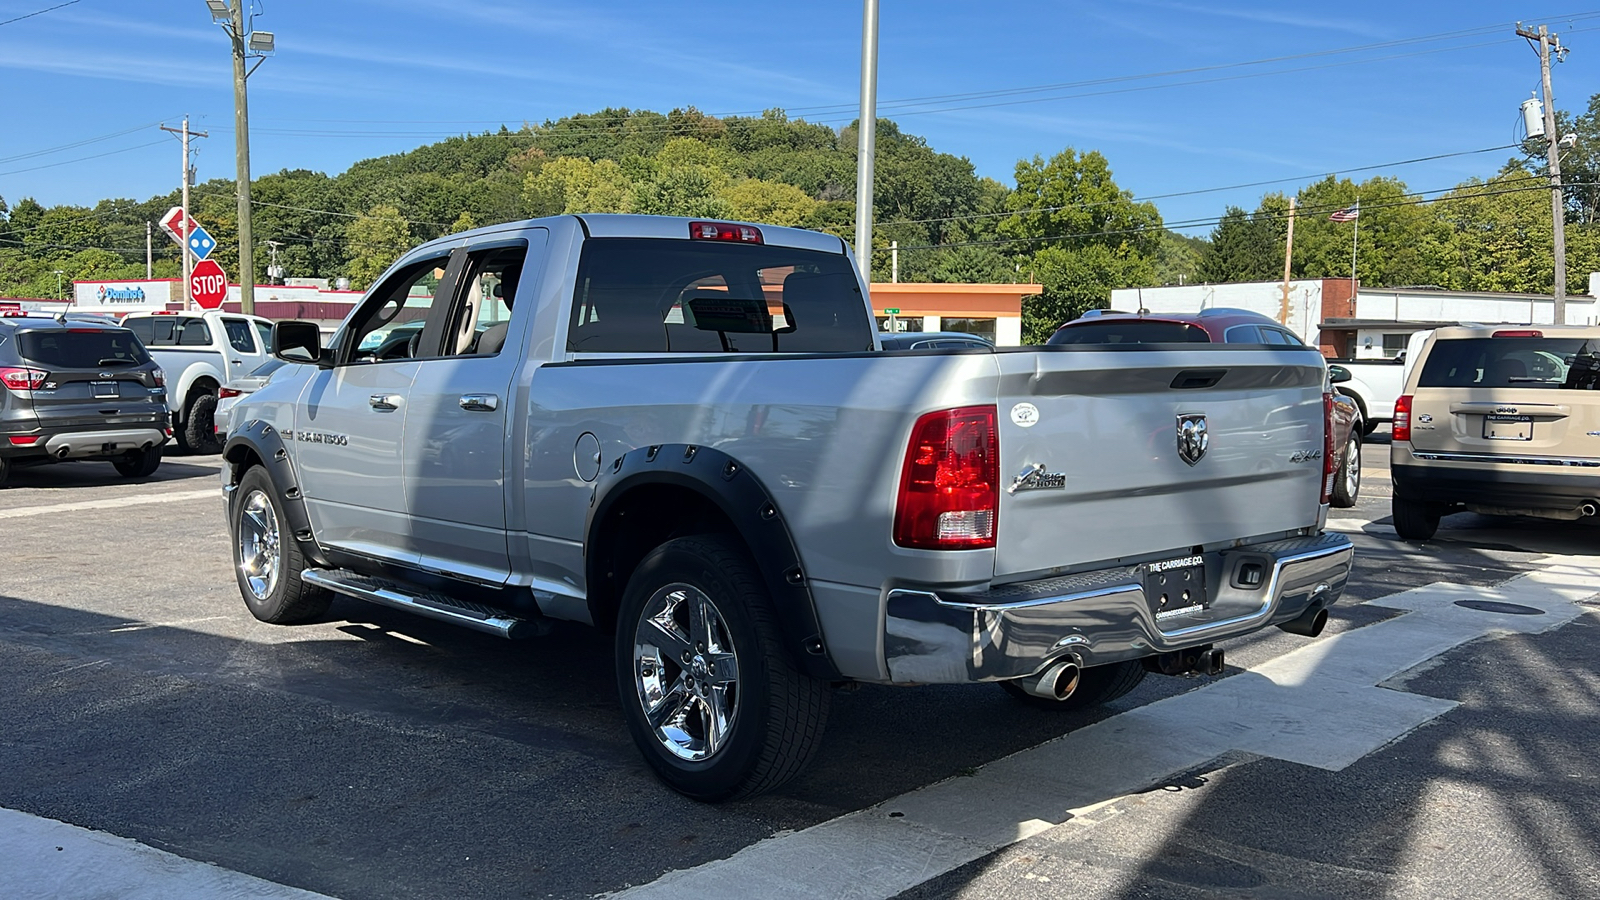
pixel 992 311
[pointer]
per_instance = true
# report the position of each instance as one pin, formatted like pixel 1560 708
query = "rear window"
pixel 85 349
pixel 171 331
pixel 651 295
pixel 1131 331
pixel 1512 362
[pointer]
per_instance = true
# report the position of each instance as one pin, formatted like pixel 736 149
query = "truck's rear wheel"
pixel 138 463
pixel 5 470
pixel 710 697
pixel 200 425
pixel 266 557
pixel 1096 685
pixel 1414 520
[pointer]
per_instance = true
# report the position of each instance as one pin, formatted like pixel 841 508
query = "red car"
pixel 1228 326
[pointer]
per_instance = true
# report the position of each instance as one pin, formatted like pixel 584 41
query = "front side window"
pixel 652 295
pixel 392 317
pixel 239 335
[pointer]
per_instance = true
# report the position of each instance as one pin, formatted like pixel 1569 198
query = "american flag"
pixel 1348 214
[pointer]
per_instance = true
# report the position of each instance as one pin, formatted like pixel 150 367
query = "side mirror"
pixel 1400 358
pixel 1338 375
pixel 300 342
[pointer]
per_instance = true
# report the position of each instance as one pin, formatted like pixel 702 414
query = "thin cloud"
pixel 1274 17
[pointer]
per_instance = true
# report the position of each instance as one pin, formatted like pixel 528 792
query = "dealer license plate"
pixel 102 389
pixel 1176 587
pixel 1508 428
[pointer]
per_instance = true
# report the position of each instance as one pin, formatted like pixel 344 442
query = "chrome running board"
pixel 432 604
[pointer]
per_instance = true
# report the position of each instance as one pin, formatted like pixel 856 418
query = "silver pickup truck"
pixel 686 433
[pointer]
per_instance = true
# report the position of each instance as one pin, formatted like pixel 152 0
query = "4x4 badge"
pixel 1192 437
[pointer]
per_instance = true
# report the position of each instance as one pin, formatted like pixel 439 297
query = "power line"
pixel 40 12
pixel 80 159
pixel 75 144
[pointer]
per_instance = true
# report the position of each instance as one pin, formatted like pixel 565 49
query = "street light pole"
pixel 59 295
pixel 866 137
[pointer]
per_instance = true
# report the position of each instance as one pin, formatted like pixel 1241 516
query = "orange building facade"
pixel 993 311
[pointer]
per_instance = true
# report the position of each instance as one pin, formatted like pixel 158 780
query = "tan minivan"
pixel 1498 420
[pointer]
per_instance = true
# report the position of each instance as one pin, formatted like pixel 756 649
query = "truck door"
pixel 351 418
pixel 245 353
pixel 456 435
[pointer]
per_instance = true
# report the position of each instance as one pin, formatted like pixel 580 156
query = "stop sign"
pixel 208 284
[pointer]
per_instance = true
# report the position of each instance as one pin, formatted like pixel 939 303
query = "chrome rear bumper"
pixel 1103 616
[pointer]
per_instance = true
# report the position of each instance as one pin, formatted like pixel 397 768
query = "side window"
pixel 239 335
pixel 1274 336
pixel 265 331
pixel 482 313
pixel 391 319
pixel 1242 334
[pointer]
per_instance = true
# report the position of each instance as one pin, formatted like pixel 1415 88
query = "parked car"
pixel 681 432
pixel 933 340
pixel 201 352
pixel 78 391
pixel 1234 326
pixel 229 394
pixel 1498 420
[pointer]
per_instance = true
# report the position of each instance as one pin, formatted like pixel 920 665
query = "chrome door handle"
pixel 384 402
pixel 479 402
pixel 237 362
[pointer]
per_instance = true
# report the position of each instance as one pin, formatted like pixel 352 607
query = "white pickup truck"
pixel 200 352
pixel 687 434
pixel 1374 384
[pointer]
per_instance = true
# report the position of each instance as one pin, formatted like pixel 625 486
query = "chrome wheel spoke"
pixel 672 645
pixel 700 613
pixel 670 708
pixel 717 713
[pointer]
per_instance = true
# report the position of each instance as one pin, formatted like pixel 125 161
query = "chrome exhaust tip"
pixel 1056 683
pixel 62 453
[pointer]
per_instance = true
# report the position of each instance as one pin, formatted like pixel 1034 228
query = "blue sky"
pixel 360 78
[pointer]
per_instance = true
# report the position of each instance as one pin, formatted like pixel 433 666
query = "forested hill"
pixel 1063 221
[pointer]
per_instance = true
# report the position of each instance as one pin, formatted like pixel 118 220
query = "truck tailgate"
pixel 1109 421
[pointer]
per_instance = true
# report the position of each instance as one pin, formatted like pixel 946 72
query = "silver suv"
pixel 1498 420
pixel 78 390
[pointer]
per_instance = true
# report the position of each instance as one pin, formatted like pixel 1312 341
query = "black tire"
pixel 138 463
pixel 1347 481
pixel 281 598
pixel 774 713
pixel 1413 520
pixel 1096 685
pixel 5 470
pixel 200 424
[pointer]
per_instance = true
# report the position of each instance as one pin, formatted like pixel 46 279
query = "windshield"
pixel 1534 362
pixel 81 348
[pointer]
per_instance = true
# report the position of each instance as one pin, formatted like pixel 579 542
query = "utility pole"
pixel 1548 44
pixel 188 176
pixel 867 137
pixel 149 230
pixel 894 261
pixel 1288 254
pixel 241 152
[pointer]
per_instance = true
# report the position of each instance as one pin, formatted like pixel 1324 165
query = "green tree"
pixel 1247 246
pixel 576 184
pixel 755 200
pixel 375 240
pixel 1400 241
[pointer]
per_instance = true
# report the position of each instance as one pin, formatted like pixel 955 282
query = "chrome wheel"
pixel 258 544
pixel 686 672
pixel 1352 467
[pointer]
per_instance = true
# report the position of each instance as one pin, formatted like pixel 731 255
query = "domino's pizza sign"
pixel 121 296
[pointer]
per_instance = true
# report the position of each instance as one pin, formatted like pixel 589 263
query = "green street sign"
pixel 892 312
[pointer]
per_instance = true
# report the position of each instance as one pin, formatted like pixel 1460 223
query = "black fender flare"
pixel 268 445
pixel 748 505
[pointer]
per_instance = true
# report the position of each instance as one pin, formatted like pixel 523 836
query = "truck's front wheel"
pixel 266 556
pixel 711 699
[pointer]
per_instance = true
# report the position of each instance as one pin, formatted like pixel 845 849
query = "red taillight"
pixel 1328 468
pixel 1400 428
pixel 724 231
pixel 229 392
pixel 26 440
pixel 1526 332
pixel 950 487
pixel 21 379
pixel 160 377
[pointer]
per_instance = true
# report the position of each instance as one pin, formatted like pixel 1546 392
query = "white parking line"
pixel 49 859
pixel 1319 706
pixel 109 503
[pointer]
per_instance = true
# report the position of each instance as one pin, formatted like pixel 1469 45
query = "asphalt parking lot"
pixel 375 754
